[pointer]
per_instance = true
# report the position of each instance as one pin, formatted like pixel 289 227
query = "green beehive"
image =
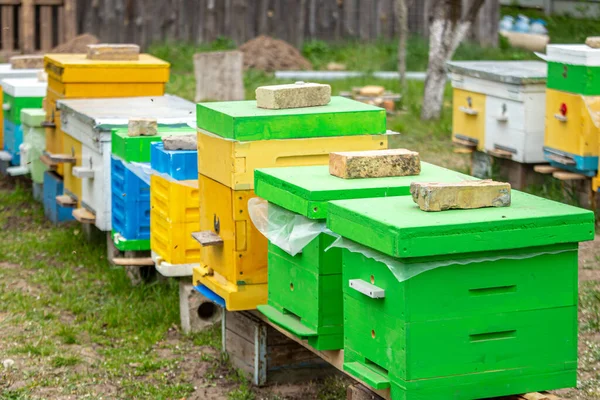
pixel 34 137
pixel 305 290
pixel 574 68
pixel 244 121
pixel 462 304
pixel 19 94
pixel 137 148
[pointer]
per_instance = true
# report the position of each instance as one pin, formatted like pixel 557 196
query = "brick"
pixel 27 62
pixel 374 163
pixel 180 142
pixel 113 52
pixel 431 196
pixel 372 91
pixel 142 127
pixel 593 42
pixel 297 95
pixel 42 76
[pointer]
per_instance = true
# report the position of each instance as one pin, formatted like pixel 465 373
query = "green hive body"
pixel 305 290
pixel 34 136
pixel 465 297
pixel 580 79
pixel 17 104
pixel 244 121
pixel 137 148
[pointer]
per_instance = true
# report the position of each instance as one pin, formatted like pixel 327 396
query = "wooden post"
pixel 27 26
pixel 45 28
pixel 70 20
pixel 8 43
pixel 219 75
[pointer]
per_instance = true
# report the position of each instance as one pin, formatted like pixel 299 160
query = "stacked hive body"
pixel 573 108
pixel 305 289
pixel 175 213
pixel 88 125
pixel 234 138
pixel 130 187
pixel 498 107
pixel 6 71
pixel 449 304
pixel 19 94
pixel 74 76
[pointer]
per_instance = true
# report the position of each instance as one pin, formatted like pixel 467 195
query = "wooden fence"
pixel 199 21
pixel 30 26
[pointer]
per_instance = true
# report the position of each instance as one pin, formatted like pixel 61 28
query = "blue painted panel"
pixel 210 295
pixel 53 186
pixel 178 164
pixel 583 165
pixel 13 137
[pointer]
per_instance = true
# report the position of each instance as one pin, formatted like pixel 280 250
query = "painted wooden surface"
pixel 578 79
pixel 308 190
pixel 106 89
pixel 494 88
pixel 53 186
pixel 468 117
pixel 178 164
pixel 243 120
pixel 96 191
pixel 72 184
pixel 137 148
pixel 232 162
pixel 34 137
pixel 13 137
pixel 176 201
pixel 507 72
pixel 173 241
pixel 16 104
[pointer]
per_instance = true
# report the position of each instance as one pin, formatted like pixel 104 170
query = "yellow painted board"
pixel 77 68
pixel 237 297
pixel 72 146
pixel 99 90
pixel 175 201
pixel 242 258
pixel 174 242
pixel 232 162
pixel 468 116
pixel 575 132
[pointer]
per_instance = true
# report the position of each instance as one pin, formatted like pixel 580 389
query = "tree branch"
pixel 473 10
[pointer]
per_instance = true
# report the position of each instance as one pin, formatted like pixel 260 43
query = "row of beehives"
pixel 532 112
pixel 429 305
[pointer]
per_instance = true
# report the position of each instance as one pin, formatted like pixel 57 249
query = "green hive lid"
pixel 397 227
pixel 33 116
pixel 243 120
pixel 307 190
pixel 137 148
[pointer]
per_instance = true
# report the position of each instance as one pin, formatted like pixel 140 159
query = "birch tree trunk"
pixel 448 28
pixel 402 13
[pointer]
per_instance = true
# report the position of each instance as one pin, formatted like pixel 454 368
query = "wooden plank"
pixel 27 26
pixel 62 158
pixel 84 216
pixel 465 143
pixel 134 262
pixel 561 159
pixel 500 153
pixel 207 238
pixel 545 169
pixel 44 158
pixel 45 28
pixel 8 43
pixel 568 176
pixel 64 200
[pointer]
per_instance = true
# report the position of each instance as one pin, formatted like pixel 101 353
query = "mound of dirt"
pixel 76 45
pixel 268 54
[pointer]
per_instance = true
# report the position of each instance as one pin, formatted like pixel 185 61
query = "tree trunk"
pixel 447 30
pixel 401 11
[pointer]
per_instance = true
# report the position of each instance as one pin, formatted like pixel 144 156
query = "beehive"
pixel 53 186
pixel 461 317
pixel 234 138
pixel 573 108
pixel 130 187
pixel 175 210
pixel 305 290
pixel 90 122
pixel 19 93
pixel 34 142
pixel 498 107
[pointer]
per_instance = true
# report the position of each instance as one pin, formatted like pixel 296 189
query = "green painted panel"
pixel 477 288
pixel 243 120
pixel 16 104
pixel 397 227
pixel 33 117
pixel 578 79
pixel 137 148
pixel 307 190
pixel 36 139
pixel 131 245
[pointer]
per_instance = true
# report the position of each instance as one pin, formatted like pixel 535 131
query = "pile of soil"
pixel 268 54
pixel 76 45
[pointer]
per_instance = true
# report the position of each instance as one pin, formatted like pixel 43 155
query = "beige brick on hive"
pixel 142 127
pixel 42 76
pixel 372 91
pixel 27 62
pixel 593 42
pixel 113 52
pixel 180 142
pixel 374 163
pixel 434 196
pixel 296 95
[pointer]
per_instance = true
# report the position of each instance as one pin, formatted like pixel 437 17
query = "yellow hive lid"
pixel 78 68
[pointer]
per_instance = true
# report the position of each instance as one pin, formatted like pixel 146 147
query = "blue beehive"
pixel 13 137
pixel 180 165
pixel 53 186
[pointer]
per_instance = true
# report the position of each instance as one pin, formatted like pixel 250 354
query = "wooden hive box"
pixel 34 142
pixel 574 68
pixel 458 305
pixel 499 107
pixel 305 290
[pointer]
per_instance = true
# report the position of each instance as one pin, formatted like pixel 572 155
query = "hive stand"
pixel 519 175
pixel 197 313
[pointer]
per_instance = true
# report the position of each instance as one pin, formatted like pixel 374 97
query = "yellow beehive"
pixel 232 162
pixel 468 117
pixel 72 184
pixel 174 216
